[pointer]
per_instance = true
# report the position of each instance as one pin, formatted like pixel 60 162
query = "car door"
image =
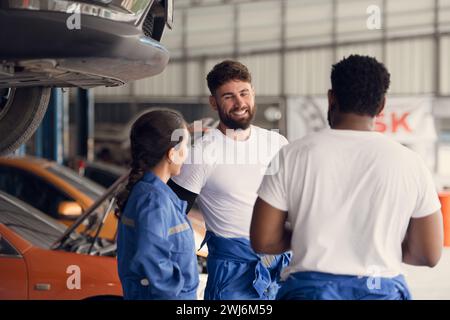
pixel 13 272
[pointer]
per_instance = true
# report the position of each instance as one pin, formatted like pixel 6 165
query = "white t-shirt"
pixel 349 197
pixel 226 175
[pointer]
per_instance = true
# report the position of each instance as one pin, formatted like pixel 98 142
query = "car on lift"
pixel 35 266
pixel 61 43
pixel 64 195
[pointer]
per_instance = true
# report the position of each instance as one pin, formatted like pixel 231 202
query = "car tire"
pixel 21 112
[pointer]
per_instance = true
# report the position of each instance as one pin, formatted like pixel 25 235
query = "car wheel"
pixel 21 112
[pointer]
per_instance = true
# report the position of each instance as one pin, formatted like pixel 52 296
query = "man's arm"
pixel 183 194
pixel 423 242
pixel 268 232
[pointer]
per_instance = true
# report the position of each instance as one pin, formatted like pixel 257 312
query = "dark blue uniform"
pixel 325 286
pixel 155 244
pixel 236 272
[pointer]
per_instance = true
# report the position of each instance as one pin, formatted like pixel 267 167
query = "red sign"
pixel 393 123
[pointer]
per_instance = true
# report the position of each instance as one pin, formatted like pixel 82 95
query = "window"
pixel 86 186
pixel 32 190
pixel 6 249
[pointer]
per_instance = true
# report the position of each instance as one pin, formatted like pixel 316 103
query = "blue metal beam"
pixel 85 123
pixel 21 151
pixel 49 136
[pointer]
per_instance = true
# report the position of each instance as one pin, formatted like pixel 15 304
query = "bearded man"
pixel 225 170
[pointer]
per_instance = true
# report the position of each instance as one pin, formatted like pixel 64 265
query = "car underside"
pixel 108 43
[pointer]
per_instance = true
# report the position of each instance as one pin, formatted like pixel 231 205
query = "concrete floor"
pixel 430 284
pixel 424 283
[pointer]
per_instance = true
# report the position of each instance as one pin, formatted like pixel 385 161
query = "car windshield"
pixel 88 187
pixel 29 223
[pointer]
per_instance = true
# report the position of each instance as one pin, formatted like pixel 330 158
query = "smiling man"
pixel 227 165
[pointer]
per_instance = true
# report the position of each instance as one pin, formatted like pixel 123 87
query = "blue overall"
pixel 325 286
pixel 236 272
pixel 155 244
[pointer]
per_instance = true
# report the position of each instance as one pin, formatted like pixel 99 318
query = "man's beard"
pixel 234 124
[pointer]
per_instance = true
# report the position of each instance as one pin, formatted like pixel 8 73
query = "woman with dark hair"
pixel 155 244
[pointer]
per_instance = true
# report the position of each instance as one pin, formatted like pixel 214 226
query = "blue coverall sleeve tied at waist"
pixel 236 272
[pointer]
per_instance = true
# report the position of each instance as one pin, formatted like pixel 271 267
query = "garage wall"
pixel 352 16
pixel 405 17
pixel 290 45
pixel 370 49
pixel 259 26
pixel 210 31
pixel 445 66
pixel 411 63
pixel 168 83
pixel 266 73
pixel 308 22
pixel 308 72
pixel 195 79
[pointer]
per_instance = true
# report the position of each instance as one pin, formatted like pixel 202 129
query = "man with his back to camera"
pixel 359 203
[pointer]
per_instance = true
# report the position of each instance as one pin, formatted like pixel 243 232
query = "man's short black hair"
pixel 359 84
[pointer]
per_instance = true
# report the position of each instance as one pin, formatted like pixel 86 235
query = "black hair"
pixel 225 71
pixel 150 140
pixel 359 84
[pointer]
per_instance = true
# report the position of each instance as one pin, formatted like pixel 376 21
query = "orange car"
pixel 64 195
pixel 31 269
pixel 52 188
